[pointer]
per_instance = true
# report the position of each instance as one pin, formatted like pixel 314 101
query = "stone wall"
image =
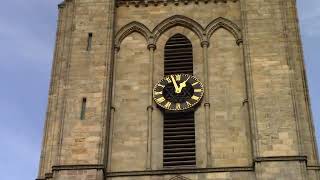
pixel 258 126
pixel 129 138
pixel 229 113
pixel 78 73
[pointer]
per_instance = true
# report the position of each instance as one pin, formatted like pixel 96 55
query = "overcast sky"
pixel 27 35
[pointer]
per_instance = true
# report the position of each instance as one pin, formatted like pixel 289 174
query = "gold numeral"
pixel 157 93
pixel 160 100
pixel 178 106
pixel 178 77
pixel 195 98
pixel 168 79
pixel 198 90
pixel 161 85
pixel 167 105
pixel 195 83
pixel 188 104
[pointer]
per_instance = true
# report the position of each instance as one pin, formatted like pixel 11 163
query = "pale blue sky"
pixel 27 35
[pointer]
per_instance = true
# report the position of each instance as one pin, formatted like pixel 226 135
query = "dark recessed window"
pixel 89 41
pixel 83 109
pixel 178 56
pixel 179 148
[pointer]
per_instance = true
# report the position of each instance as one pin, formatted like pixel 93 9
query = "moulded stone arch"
pixel 191 36
pixel 130 28
pixel 227 25
pixel 178 20
pixel 165 36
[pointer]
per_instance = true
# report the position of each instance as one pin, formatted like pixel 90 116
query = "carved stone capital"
pixel 207 104
pixel 205 44
pixel 239 41
pixel 152 46
pixel 150 107
pixel 117 48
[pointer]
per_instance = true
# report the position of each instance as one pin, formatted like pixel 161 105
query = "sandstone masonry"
pixel 253 124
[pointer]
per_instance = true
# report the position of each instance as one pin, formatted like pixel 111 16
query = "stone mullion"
pixel 249 80
pixel 205 45
pixel 107 107
pixel 113 106
pixel 246 101
pixel 151 48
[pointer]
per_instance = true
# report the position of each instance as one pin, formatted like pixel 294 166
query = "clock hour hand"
pixel 182 85
pixel 175 84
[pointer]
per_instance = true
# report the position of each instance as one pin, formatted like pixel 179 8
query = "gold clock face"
pixel 178 92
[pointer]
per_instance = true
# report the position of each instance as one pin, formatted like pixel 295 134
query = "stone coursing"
pixel 254 122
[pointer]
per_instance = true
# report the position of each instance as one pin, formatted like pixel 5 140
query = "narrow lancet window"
pixel 83 109
pixel 89 42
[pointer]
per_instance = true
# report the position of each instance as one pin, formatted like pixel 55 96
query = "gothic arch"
pixel 130 28
pixel 227 25
pixel 178 20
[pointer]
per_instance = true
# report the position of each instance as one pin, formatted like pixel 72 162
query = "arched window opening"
pixel 178 56
pixel 179 148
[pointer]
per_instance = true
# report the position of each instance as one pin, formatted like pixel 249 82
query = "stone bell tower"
pixel 250 121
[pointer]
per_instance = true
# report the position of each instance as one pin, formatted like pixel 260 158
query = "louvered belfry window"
pixel 178 55
pixel 179 149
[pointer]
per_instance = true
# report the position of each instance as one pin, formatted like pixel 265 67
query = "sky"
pixel 27 36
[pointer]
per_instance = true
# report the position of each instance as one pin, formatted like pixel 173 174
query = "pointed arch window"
pixel 178 55
pixel 179 127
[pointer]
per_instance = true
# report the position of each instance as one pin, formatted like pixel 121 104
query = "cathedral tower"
pixel 178 90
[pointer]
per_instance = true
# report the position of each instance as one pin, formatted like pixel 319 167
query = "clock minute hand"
pixel 175 84
pixel 182 85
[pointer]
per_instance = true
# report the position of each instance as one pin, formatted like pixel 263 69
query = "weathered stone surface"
pixel 258 123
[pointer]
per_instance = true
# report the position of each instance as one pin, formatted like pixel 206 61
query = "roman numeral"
pixel 160 100
pixel 195 83
pixel 168 79
pixel 195 98
pixel 188 103
pixel 167 105
pixel 178 106
pixel 178 77
pixel 157 93
pixel 161 85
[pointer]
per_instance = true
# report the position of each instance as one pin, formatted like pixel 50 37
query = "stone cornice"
pixel 179 171
pixel 78 167
pixel 138 3
pixel 317 168
pixel 281 158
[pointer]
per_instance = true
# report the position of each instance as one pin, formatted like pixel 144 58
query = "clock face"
pixel 178 92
